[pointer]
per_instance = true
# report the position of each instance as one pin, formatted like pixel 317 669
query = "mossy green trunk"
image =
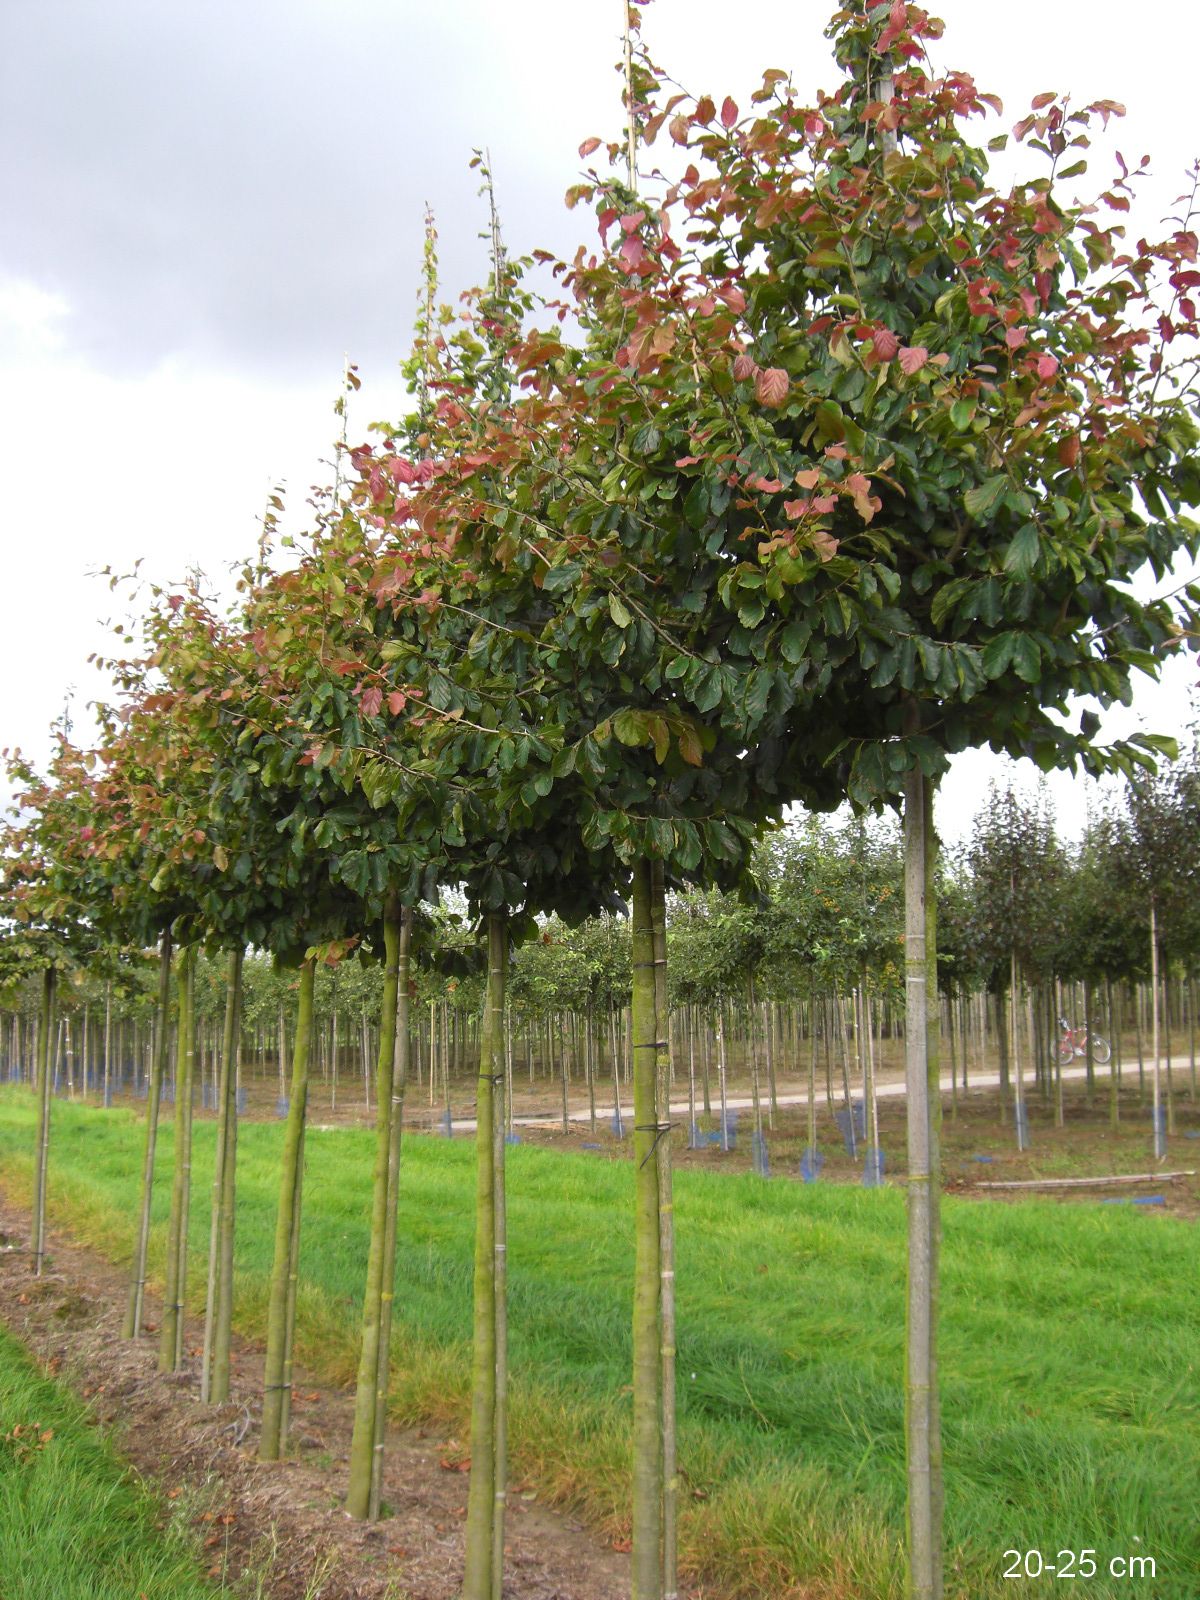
pixel 287 1223
pixel 358 1496
pixel 481 1577
pixel 171 1332
pixel 647 1322
pixel 137 1285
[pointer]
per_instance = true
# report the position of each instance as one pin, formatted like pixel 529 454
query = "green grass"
pixel 1070 1346
pixel 74 1522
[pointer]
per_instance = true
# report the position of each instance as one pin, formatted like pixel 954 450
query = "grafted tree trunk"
pixel 276 1373
pixel 137 1286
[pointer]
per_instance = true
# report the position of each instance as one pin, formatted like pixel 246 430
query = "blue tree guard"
pixel 513 1137
pixel 872 1177
pixel 241 1102
pixel 108 1095
pixel 726 1137
pixel 1021 1120
pixel 447 1123
pixel 1158 1121
pixel 281 1106
pixel 759 1157
pixel 852 1122
pixel 618 1123
pixel 811 1163
pixel 696 1139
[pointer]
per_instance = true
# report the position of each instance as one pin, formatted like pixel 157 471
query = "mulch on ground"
pixel 276 1529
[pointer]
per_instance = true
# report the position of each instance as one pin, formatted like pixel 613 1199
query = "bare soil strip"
pixel 277 1529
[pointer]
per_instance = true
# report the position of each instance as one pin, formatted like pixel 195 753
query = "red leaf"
pixel 771 386
pixel 397 701
pixel 1041 101
pixel 824 544
pixel 588 145
pixel 744 366
pixel 729 112
pixel 688 461
pixel 979 297
pixel 679 129
pixel 886 343
pixel 1068 450
pixel 1047 366
pixel 705 110
pixel 370 700
pixel 913 358
pixel 1016 337
pixel 631 252
pixel 808 479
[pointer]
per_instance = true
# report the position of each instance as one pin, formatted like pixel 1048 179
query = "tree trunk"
pixel 923 1449
pixel 666 1214
pixel 1160 1140
pixel 362 1445
pixel 287 1220
pixel 137 1287
pixel 401 1058
pixel 170 1336
pixel 485 1496
pixel 45 1075
pixel 647 1330
pixel 214 1366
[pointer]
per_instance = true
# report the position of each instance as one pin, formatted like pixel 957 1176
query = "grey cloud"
pixel 245 183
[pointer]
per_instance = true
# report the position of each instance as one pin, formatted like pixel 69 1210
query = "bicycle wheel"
pixel 1065 1049
pixel 1101 1049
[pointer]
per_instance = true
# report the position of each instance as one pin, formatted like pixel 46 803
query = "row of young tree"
pixel 830 460
pixel 822 919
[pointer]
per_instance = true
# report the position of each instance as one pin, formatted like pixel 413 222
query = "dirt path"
pixel 277 1530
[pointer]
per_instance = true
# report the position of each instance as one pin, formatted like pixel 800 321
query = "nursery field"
pixel 73 1520
pixel 1070 1347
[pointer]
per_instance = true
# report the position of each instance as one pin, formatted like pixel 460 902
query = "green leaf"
pixel 980 500
pixel 1021 556
pixel 564 576
pixel 630 726
pixel 618 612
pixel 1027 658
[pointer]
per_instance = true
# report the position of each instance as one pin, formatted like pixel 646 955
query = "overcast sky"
pixel 206 206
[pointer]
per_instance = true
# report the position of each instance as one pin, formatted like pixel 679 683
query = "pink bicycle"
pixel 1074 1042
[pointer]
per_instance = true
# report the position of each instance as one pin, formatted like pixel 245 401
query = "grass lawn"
pixel 74 1523
pixel 1070 1348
